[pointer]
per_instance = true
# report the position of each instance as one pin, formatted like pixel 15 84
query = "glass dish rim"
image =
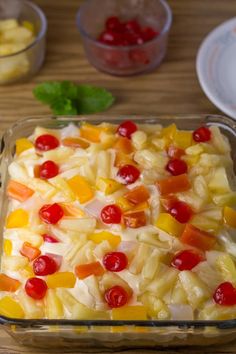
pixel 220 120
pixel 41 33
pixel 164 30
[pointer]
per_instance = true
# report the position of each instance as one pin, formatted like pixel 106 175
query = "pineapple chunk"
pixel 194 150
pixel 58 155
pixel 107 185
pixel 152 265
pixel 53 305
pixel 33 238
pixel 219 141
pixel 164 282
pixel 45 189
pixel 139 139
pixel 205 223
pixel 140 258
pixel 84 225
pixel 68 300
pixel 14 262
pixel 81 188
pixel 148 159
pixel 196 290
pixel 63 187
pixel 217 312
pixel 191 198
pixel 103 164
pixel 32 308
pixel 219 183
pixel 183 139
pixel 17 171
pixel 155 307
pixel 200 187
pixel 224 199
pixel 8 24
pixel 226 266
pixel 84 254
pixel 82 312
pixel 178 295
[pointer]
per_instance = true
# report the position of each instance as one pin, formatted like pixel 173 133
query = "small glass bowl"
pixel 124 60
pixel 21 65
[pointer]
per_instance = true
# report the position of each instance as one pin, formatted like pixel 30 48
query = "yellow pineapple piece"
pixel 14 263
pixel 139 139
pixel 84 225
pixel 196 290
pixel 82 312
pixel 219 183
pixel 226 266
pixel 64 187
pixel 164 282
pixel 32 308
pixel 183 139
pixel 53 305
pixel 107 185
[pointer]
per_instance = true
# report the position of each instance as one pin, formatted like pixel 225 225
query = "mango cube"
pixel 22 145
pixel 11 308
pixel 183 139
pixel 17 218
pixel 229 215
pixel 61 280
pixel 81 188
pixel 167 223
pixel 7 247
pixel 131 313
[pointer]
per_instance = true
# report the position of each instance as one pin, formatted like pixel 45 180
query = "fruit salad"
pixel 121 222
pixel 14 37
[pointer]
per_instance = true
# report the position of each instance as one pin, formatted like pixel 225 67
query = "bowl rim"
pixel 41 33
pixel 164 30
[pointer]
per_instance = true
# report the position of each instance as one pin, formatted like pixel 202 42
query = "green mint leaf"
pixel 67 98
pixel 49 92
pixel 63 106
pixel 92 99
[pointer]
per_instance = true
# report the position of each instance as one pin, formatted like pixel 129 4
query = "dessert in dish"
pixel 14 38
pixel 121 222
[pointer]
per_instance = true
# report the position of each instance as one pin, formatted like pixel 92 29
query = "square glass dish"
pixel 95 334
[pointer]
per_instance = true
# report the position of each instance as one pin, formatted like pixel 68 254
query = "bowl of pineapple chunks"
pixel 22 40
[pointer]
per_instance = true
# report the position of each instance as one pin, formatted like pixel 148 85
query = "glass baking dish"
pixel 100 334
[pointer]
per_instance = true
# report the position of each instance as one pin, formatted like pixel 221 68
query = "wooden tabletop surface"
pixel 172 88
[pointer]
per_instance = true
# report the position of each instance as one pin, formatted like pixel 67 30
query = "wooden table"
pixel 172 88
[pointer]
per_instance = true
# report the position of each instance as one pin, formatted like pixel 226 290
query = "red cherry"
pixel 48 169
pixel 116 296
pixel 127 128
pixel 128 173
pixel 130 38
pixel 148 33
pixel 186 260
pixel 46 142
pixel 225 294
pixel 111 214
pixel 44 265
pixel 36 288
pixel 139 56
pixel 181 211
pixel 110 38
pixel 175 152
pixel 51 213
pixel 113 24
pixel 132 26
pixel 202 134
pixel 177 167
pixel 49 238
pixel 115 261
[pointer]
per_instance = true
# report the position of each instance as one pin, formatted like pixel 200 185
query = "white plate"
pixel 216 67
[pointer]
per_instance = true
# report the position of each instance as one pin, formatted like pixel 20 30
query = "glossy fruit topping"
pixel 44 265
pixel 202 134
pixel 186 260
pixel 49 238
pixel 127 128
pixel 111 214
pixel 177 167
pixel 36 288
pixel 128 173
pixel 181 211
pixel 116 296
pixel 51 213
pixel 115 261
pixel 48 169
pixel 46 142
pixel 225 294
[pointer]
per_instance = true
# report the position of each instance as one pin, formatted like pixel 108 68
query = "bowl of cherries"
pixel 125 37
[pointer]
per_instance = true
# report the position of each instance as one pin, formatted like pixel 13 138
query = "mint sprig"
pixel 67 98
